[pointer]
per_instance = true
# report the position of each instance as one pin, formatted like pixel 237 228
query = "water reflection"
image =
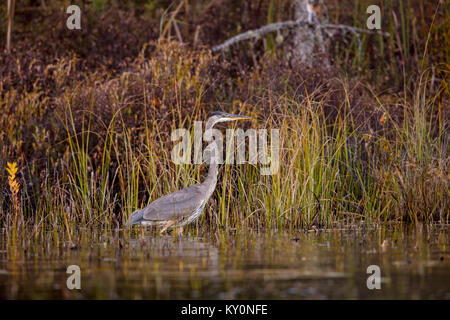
pixel 302 265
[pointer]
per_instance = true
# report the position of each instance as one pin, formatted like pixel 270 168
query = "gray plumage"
pixel 186 205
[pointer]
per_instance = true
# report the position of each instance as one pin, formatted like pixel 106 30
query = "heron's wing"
pixel 175 205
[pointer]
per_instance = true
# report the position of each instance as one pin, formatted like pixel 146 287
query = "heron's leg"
pixel 180 231
pixel 167 226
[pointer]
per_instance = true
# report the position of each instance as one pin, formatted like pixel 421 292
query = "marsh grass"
pixel 330 170
pixel 94 146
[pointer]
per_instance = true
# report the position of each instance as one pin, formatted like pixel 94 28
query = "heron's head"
pixel 219 116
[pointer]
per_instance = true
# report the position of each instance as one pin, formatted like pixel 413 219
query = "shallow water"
pixel 331 264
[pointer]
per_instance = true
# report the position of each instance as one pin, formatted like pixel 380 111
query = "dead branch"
pixel 273 27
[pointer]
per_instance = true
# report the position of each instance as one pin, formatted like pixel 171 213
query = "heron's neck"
pixel 211 178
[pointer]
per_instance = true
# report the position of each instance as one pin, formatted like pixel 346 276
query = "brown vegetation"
pixel 88 115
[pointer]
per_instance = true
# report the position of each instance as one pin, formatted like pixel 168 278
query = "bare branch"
pixel 257 33
pixel 273 27
pixel 353 29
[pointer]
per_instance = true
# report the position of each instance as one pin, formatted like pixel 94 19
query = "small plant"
pixel 14 186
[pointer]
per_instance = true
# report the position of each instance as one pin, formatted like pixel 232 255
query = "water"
pixel 414 264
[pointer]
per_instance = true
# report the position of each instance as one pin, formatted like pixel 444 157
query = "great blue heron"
pixel 186 205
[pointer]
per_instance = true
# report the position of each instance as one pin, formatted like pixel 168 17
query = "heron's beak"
pixel 231 117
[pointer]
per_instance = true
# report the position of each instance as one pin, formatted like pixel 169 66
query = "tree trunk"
pixel 10 13
pixel 306 39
